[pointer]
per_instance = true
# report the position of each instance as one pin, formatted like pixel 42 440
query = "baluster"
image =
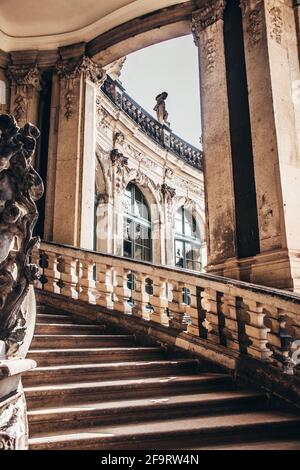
pixel 104 285
pixel 178 308
pixel 231 330
pixel 280 338
pixel 211 323
pixel 257 331
pixel 52 274
pixel 142 306
pixel 86 282
pixel 68 277
pixel 192 310
pixel 123 290
pixel 160 301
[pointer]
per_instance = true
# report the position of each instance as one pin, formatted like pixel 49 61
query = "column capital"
pixel 209 14
pixel 24 75
pixel 25 79
pixel 71 69
pixel 249 6
pixel 68 70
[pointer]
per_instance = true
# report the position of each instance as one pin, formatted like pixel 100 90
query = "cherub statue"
pixel 160 108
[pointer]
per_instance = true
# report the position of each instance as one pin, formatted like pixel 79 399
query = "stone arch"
pixel 150 192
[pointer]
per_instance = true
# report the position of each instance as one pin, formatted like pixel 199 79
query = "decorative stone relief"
pixel 13 424
pixel 202 21
pixel 120 163
pixel 167 192
pixel 20 187
pixel 276 21
pixel 266 211
pixel 26 79
pixel 169 173
pixel 210 48
pixel 211 12
pixel 70 70
pixel 253 12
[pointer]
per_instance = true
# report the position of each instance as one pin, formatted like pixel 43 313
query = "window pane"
pixel 187 223
pixel 138 252
pixel 179 256
pixel 178 221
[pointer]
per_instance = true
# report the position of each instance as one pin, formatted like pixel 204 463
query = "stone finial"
pixel 211 12
pixel 114 69
pixel 160 108
pixel 20 187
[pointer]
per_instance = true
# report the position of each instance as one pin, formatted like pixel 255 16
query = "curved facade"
pixel 136 151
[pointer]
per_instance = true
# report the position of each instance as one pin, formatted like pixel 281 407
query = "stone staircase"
pixel 96 388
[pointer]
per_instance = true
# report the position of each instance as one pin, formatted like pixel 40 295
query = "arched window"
pixel 187 241
pixel 137 225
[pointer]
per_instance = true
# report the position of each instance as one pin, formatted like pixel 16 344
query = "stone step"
pixel 80 341
pixel 68 328
pixel 75 393
pixel 49 357
pixel 109 371
pixel 51 318
pixel 197 431
pixel 146 409
pixel 276 444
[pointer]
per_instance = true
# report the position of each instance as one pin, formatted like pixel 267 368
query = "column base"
pixel 278 268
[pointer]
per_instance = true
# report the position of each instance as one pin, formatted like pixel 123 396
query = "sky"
pixel 170 66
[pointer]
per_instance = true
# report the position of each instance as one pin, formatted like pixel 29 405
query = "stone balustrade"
pixel 245 319
pixel 160 133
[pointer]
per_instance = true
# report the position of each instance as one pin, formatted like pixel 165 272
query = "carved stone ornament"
pixel 167 192
pixel 210 48
pixel 253 13
pixel 20 187
pixel 211 12
pixel 276 27
pixel 70 70
pixel 13 424
pixel 118 159
pixel 25 78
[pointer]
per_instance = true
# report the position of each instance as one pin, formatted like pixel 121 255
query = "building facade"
pixel 149 202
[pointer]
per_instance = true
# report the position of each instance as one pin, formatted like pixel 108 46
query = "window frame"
pixel 135 220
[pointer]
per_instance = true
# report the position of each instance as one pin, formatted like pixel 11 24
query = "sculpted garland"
pixel 20 187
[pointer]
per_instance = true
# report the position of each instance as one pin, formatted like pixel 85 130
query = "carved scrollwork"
pixel 209 14
pixel 276 20
pixel 167 192
pixel 20 187
pixel 253 14
pixel 70 70
pixel 25 79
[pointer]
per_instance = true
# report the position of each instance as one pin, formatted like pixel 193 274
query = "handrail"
pixel 253 320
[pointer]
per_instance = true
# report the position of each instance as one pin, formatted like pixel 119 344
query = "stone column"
pixel 272 62
pixel 73 216
pixel 207 27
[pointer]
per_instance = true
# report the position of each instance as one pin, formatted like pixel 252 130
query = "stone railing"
pixel 243 319
pixel 160 133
